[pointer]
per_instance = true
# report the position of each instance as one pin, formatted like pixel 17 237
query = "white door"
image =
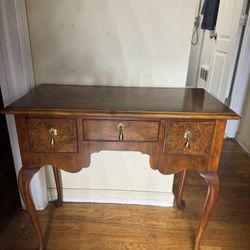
pixel 224 48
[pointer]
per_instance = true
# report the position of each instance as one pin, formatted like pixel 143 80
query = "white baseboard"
pixel 115 196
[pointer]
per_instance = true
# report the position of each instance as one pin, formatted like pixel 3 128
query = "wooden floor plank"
pixel 132 227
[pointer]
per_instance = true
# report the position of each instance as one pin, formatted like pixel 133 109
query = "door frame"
pixel 241 77
pixel 16 78
pixel 240 81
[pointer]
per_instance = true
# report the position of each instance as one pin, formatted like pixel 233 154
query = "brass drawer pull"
pixel 52 134
pixel 187 135
pixel 120 128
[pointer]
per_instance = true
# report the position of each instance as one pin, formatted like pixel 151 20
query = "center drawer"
pixel 116 130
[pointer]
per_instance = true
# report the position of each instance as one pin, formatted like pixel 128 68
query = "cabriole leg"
pixel 58 180
pixel 179 201
pixel 24 178
pixel 213 191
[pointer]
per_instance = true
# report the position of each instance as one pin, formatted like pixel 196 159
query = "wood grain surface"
pixel 154 122
pixel 158 102
pixel 133 227
pixel 106 130
pixel 200 142
pixel 72 151
pixel 39 138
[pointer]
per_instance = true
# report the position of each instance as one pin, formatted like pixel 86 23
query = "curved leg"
pixel 24 178
pixel 58 180
pixel 180 202
pixel 213 191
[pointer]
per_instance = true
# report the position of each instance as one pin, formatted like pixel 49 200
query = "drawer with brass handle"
pixel 116 130
pixel 189 138
pixel 52 135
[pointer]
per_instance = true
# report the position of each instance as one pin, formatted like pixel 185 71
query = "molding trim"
pixel 241 81
pixel 16 78
pixel 165 199
pixel 24 41
pixel 15 46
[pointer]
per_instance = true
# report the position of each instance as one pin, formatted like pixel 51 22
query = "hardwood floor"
pixel 133 227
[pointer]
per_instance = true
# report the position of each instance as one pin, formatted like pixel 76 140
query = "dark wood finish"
pixel 58 180
pixel 106 130
pixel 200 142
pixel 86 120
pixel 180 203
pixel 148 102
pixel 213 191
pixel 39 138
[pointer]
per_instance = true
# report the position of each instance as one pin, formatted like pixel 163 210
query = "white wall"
pixel 195 50
pixel 200 54
pixel 112 42
pixel 205 57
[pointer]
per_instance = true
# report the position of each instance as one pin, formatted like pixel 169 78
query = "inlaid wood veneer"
pixel 62 125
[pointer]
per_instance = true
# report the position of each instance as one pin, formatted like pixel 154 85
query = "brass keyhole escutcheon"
pixel 120 128
pixel 187 135
pixel 52 134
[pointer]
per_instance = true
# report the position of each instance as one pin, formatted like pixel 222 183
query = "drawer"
pixel 109 130
pixel 189 138
pixel 40 136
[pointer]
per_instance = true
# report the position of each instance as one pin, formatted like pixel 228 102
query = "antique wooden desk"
pixel 63 125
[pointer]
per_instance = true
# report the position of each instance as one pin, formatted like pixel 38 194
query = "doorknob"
pixel 213 35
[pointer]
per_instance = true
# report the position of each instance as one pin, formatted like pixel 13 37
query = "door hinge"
pixel 243 20
pixel 227 101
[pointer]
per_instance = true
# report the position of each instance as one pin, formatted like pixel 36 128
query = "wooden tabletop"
pixel 78 99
